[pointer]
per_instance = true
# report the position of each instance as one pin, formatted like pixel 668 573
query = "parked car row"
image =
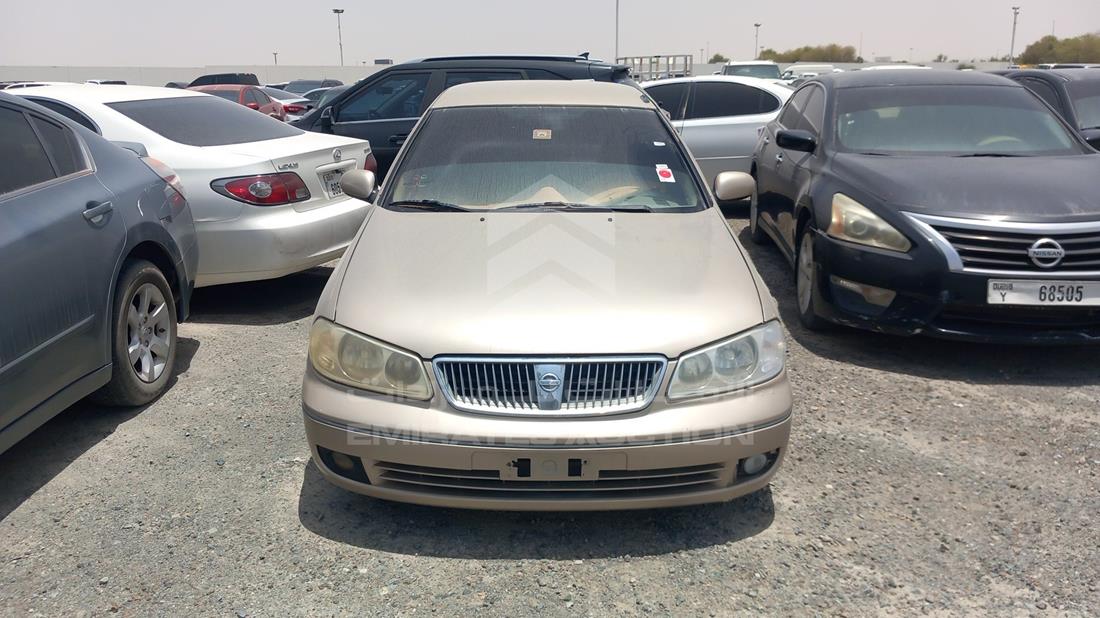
pixel 483 344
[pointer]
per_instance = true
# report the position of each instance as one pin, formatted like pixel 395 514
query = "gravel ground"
pixel 924 476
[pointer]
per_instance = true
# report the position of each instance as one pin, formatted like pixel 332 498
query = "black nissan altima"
pixel 954 204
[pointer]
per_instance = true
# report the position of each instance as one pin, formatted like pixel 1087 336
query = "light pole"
pixel 616 30
pixel 276 55
pixel 339 34
pixel 756 44
pixel 1012 47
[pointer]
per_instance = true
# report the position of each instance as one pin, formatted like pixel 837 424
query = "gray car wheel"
pixel 143 347
pixel 757 235
pixel 806 281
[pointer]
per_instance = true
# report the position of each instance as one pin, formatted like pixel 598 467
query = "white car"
pixel 719 116
pixel 265 196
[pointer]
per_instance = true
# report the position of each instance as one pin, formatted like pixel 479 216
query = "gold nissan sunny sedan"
pixel 545 310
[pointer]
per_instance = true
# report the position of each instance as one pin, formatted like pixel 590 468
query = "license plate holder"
pixel 330 180
pixel 1043 293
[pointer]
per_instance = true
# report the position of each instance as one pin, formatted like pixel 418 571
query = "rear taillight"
pixel 264 189
pixel 166 174
pixel 294 108
pixel 370 163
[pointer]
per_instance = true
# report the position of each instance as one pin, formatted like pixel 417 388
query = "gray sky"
pixel 224 32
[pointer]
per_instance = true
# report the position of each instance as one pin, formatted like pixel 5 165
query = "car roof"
pixel 539 92
pixel 748 62
pixel 222 87
pixel 931 77
pixel 1069 75
pixel 756 82
pixel 93 93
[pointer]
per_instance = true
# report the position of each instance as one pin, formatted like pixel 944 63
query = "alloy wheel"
pixel 805 280
pixel 148 327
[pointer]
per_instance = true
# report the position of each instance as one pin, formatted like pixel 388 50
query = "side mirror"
pixel 729 186
pixel 796 139
pixel 358 184
pixel 1092 136
pixel 252 105
pixel 326 119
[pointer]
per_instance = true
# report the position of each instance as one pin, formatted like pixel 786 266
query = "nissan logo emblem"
pixel 549 382
pixel 1046 253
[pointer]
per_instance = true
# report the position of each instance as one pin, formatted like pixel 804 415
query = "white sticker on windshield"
pixel 542 134
pixel 658 143
pixel 664 174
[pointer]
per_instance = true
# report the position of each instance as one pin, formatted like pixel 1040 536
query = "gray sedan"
pixel 719 117
pixel 99 257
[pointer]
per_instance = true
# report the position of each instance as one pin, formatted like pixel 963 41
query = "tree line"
pixel 1049 49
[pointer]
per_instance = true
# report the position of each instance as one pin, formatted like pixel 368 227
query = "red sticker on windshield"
pixel 664 174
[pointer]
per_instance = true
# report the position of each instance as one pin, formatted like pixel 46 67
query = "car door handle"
pixel 779 158
pixel 398 140
pixel 96 210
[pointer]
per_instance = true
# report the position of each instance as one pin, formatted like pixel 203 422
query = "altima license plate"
pixel 1041 293
pixel 331 181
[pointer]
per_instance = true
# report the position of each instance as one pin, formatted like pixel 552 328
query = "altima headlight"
pixel 853 222
pixel 347 357
pixel 745 360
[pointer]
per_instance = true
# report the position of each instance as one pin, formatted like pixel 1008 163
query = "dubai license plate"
pixel 1044 293
pixel 331 182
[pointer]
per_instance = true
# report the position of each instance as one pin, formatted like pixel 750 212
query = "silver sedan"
pixel 719 116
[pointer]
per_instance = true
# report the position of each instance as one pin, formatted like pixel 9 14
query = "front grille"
pixel 609 484
pixel 1001 249
pixel 970 317
pixel 586 386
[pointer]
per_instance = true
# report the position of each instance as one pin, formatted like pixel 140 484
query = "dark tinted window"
pixel 813 113
pixel 949 120
pixel 281 95
pixel 492 157
pixel 669 97
pixel 204 121
pixel 1044 90
pixel 260 97
pixel 396 96
pixel 300 86
pixel 792 113
pixel 1086 103
pixel 25 160
pixel 717 99
pixel 228 95
pixel 61 145
pixel 762 71
pixel 67 112
pixel 465 77
pixel 541 74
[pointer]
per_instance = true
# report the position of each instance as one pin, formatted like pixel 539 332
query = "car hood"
pixel 547 282
pixel 1030 189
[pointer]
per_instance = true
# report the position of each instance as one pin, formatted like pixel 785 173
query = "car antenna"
pixel 585 55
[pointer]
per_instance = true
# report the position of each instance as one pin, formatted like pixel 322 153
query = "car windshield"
pixel 1086 103
pixel 545 157
pixel 203 121
pixel 330 94
pixel 763 71
pixel 302 86
pixel 948 120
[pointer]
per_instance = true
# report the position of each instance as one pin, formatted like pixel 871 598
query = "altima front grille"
pixel 550 386
pixel 1004 246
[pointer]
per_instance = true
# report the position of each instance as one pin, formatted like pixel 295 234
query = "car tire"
pixel 143 337
pixel 758 236
pixel 807 289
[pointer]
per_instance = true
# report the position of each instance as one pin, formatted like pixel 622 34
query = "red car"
pixel 248 96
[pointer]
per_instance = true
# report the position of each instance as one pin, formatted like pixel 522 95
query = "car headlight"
pixel 853 222
pixel 347 357
pixel 745 360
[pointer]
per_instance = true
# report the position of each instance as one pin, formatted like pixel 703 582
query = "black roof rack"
pixel 509 57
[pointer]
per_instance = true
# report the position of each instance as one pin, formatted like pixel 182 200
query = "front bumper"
pixel 265 243
pixel 935 301
pixel 667 455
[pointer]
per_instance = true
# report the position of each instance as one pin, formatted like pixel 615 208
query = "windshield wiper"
pixel 988 154
pixel 571 206
pixel 433 205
